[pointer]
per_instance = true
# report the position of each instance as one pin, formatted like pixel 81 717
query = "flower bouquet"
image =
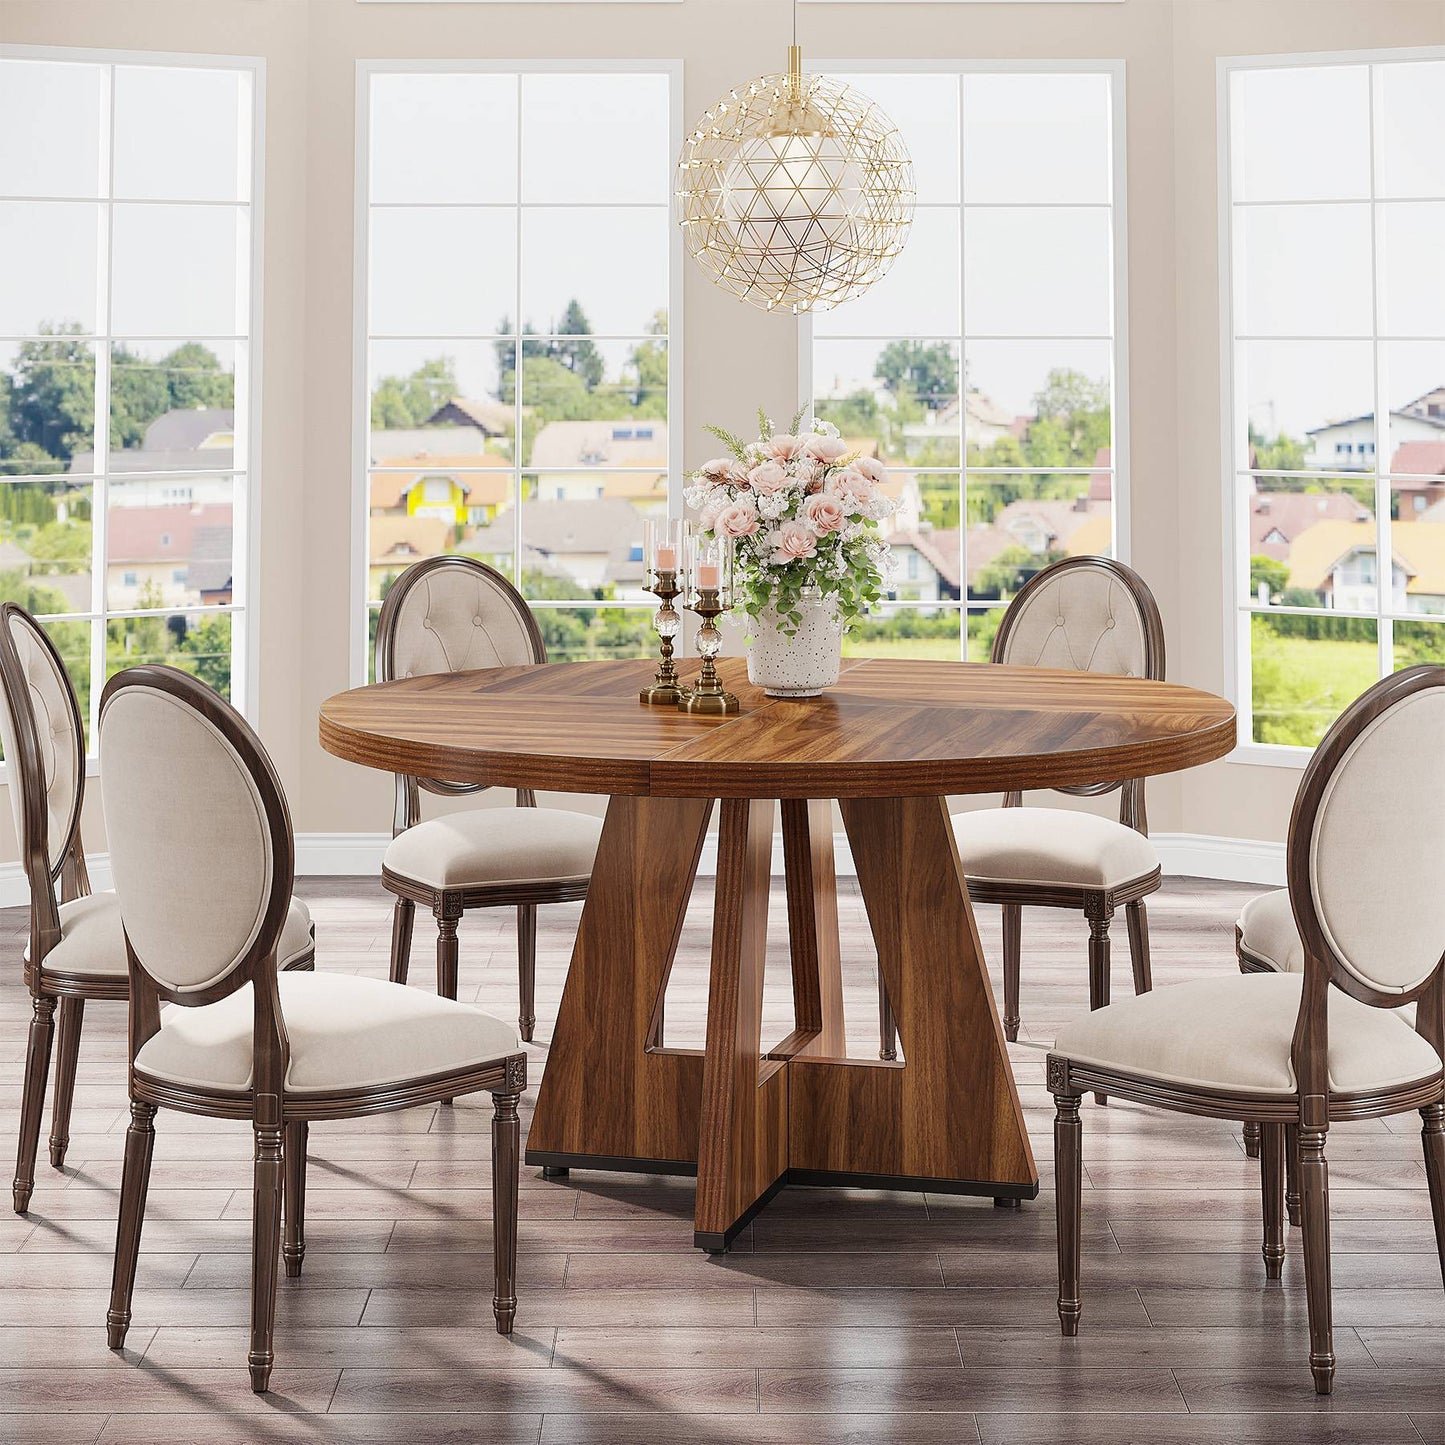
pixel 801 512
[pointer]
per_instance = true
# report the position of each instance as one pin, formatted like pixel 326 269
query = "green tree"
pixel 52 393
pixel 1273 576
pixel 1008 572
pixel 580 357
pixel 403 402
pixel 924 370
pixel 1282 454
pixel 1072 421
pixel 648 365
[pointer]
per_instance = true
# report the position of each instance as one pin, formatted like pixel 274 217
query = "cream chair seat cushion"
pixel 1051 845
pixel 345 1033
pixel 1234 1032
pixel 92 941
pixel 496 846
pixel 1267 932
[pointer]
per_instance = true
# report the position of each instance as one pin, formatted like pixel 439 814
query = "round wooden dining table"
pixel 890 742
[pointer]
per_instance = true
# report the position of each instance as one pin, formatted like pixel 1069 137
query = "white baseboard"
pixel 333 855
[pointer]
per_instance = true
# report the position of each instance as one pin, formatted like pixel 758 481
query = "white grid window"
pixel 520 304
pixel 985 369
pixel 125 327
pixel 1333 189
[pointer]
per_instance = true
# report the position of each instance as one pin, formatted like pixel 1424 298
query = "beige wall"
pixel 311 47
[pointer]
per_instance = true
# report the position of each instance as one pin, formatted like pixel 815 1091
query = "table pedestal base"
pixel 945 1119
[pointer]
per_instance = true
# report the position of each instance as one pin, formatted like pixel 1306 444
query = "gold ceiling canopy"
pixel 795 191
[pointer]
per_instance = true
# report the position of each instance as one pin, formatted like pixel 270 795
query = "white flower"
pixel 824 428
pixel 772 505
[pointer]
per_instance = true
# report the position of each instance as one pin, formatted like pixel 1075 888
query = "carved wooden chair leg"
pixel 1069 1186
pixel 527 969
pixel 1291 1173
pixel 887 1024
pixel 265 1254
pixel 1271 1184
pixel 32 1098
pixel 1251 1142
pixel 1100 915
pixel 1137 919
pixel 135 1178
pixel 1433 1135
pixel 402 917
pixel 1315 1201
pixel 448 949
pixel 506 1154
pixel 1013 918
pixel 67 1051
pixel 293 1245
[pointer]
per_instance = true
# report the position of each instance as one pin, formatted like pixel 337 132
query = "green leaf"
pixel 765 424
pixel 734 444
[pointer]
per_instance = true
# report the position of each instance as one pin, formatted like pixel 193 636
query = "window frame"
pixel 1238 674
pixel 1115 69
pixel 359 629
pixel 245 515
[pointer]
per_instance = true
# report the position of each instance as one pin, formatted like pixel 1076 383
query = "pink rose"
pixel 738 520
pixel 707 518
pixel 719 469
pixel 825 449
pixel 793 541
pixel 851 488
pixel 825 513
pixel 783 448
pixel 768 477
pixel 872 468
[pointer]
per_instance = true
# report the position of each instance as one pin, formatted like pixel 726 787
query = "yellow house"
pixel 455 490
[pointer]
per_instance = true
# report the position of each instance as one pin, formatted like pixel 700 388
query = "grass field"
pixel 1301 684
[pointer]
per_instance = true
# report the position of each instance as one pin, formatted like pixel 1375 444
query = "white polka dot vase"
pixel 801 665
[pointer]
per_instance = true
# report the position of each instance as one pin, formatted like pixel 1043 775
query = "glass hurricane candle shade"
pixel 662 554
pixel 709 594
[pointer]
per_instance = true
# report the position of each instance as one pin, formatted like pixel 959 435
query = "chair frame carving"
pixel 448 904
pixel 48 985
pixel 279 1119
pixel 1309 1111
pixel 1098 905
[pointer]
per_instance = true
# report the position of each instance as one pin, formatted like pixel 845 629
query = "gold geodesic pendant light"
pixel 795 192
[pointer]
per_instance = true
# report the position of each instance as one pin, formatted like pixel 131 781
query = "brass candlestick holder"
pixel 709 596
pixel 666 691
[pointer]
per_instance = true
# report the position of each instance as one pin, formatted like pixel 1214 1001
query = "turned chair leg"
pixel 67 1051
pixel 265 1253
pixel 1433 1136
pixel 1315 1203
pixel 1136 917
pixel 506 1162
pixel 448 950
pixel 1069 1203
pixel 32 1098
pixel 135 1178
pixel 527 969
pixel 1251 1141
pixel 887 1024
pixel 293 1245
pixel 1271 1185
pixel 1013 927
pixel 1291 1174
pixel 401 921
pixel 1100 915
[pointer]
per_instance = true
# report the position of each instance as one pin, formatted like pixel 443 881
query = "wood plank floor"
pixel 840 1317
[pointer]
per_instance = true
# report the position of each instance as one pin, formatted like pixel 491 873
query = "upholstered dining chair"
pixel 1309 1048
pixel 202 850
pixel 76 951
pixel 1086 614
pixel 452 614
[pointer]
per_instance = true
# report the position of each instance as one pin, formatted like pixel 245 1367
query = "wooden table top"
pixel 889 728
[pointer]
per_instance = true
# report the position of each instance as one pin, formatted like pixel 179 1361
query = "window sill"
pixel 1271 755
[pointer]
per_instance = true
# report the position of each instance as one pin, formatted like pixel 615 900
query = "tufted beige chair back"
pixel 1088 614
pixel 1368 835
pixel 44 740
pixel 453 614
pixel 200 838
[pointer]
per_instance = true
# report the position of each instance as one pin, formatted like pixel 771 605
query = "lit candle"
pixel 708 575
pixel 667 559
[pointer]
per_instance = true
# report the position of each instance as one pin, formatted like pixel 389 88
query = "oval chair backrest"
pixel 199 834
pixel 1088 614
pixel 454 614
pixel 44 741
pixel 1367 837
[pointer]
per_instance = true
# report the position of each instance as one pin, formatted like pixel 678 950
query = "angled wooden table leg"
pixel 607 1100
pixel 948 1117
pixel 742 1158
pixel 812 931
